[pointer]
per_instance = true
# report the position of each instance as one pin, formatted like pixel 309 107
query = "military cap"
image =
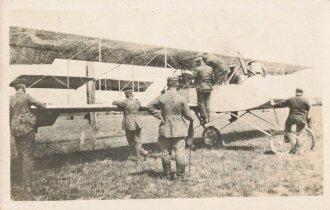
pixel 200 58
pixel 299 91
pixel 172 78
pixel 19 81
pixel 251 61
pixel 129 92
pixel 232 66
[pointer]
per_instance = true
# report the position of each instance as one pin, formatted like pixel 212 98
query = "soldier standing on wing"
pixel 204 78
pixel 132 123
pixel 173 128
pixel 23 128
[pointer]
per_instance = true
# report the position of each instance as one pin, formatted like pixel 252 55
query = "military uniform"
pixel 23 129
pixel 204 78
pixel 299 107
pixel 235 79
pixel 173 129
pixel 132 123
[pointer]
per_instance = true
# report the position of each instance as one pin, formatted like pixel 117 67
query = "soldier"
pixel 204 78
pixel 23 128
pixel 234 78
pixel 298 115
pixel 132 123
pixel 173 128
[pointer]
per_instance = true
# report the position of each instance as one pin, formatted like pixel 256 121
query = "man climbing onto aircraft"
pixel 233 78
pixel 23 128
pixel 204 79
pixel 298 115
pixel 173 128
pixel 132 123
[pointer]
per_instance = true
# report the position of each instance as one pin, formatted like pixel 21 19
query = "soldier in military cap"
pixel 173 128
pixel 233 76
pixel 204 78
pixel 23 128
pixel 298 114
pixel 132 123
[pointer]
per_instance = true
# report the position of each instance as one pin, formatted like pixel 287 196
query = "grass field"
pixel 67 167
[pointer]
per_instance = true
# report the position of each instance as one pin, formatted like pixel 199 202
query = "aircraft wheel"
pixel 281 142
pixel 212 137
pixel 307 140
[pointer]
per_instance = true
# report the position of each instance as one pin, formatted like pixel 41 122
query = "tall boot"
pixel 167 170
pixel 180 169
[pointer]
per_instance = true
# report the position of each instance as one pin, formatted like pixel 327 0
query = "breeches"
pixel 170 145
pixel 25 150
pixel 299 125
pixel 203 100
pixel 134 139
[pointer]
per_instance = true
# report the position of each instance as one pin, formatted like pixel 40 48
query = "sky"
pixel 280 31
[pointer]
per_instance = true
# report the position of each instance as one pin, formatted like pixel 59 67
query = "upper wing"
pixel 30 46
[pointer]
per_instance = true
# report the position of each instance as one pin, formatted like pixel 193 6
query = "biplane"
pixel 30 46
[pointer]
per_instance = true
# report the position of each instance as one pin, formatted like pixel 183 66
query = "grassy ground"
pixel 68 167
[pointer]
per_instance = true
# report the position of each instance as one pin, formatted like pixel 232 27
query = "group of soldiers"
pixel 173 128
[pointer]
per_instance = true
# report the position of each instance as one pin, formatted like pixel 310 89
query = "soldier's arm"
pixel 152 109
pixel 140 106
pixel 186 111
pixel 212 77
pixel 282 104
pixel 196 75
pixel 120 104
pixel 36 103
pixel 308 105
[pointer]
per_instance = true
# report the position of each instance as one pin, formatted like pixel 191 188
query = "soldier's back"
pixel 204 71
pixel 172 103
pixel 19 104
pixel 298 105
pixel 203 78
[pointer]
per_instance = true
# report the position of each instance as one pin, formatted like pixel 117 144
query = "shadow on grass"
pixel 240 148
pixel 244 135
pixel 58 160
pixel 150 173
pixel 269 152
pixel 233 137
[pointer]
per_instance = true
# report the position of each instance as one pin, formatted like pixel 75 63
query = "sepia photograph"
pixel 153 101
